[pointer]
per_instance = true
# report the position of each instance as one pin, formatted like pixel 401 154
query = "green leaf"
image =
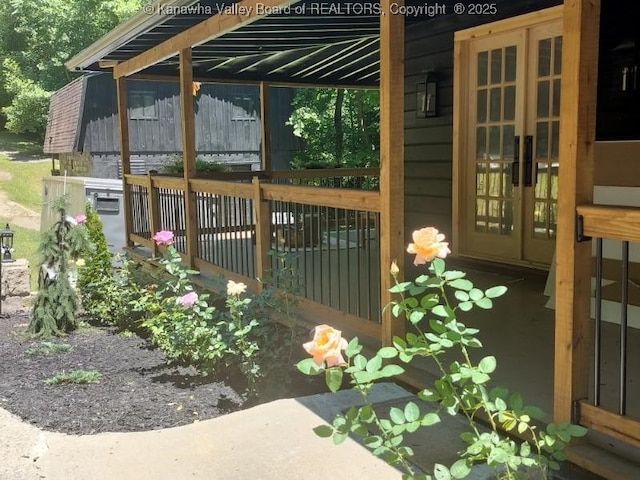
pixel 387 352
pixel 438 266
pixel 441 311
pixel 374 364
pixel 416 316
pixel 484 303
pixel 476 294
pixel 309 367
pixel 333 377
pixel 360 362
pixel 465 306
pixel 453 275
pixel 461 284
pixel 479 377
pixel 339 437
pixel 460 469
pixel 487 364
pixel 525 449
pixel 495 292
pixel 324 431
pixel 440 472
pixel 397 416
pixel 391 371
pixel 577 431
pixel 353 348
pixel 400 287
pixel 374 441
pixel 429 301
pixel 430 419
pixel 411 412
pixel 461 295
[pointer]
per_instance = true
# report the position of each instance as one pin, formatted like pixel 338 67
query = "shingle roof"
pixel 65 114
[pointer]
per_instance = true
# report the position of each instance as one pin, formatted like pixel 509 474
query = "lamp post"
pixel 6 249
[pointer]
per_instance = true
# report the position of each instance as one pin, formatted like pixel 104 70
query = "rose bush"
pixel 463 385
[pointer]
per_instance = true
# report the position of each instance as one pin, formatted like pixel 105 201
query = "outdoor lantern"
pixel 427 97
pixel 6 243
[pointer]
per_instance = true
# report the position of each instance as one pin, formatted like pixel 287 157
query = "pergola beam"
pixel 202 32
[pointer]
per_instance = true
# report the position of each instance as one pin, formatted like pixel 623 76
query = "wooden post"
pixel 262 233
pixel 188 154
pixel 125 156
pixel 391 160
pixel 265 134
pixel 154 211
pixel 575 187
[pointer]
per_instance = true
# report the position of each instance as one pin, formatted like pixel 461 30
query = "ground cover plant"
pixel 75 376
pixel 433 304
pixel 46 348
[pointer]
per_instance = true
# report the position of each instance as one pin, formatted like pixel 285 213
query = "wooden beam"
pixel 613 222
pixel 575 186
pixel 154 210
pixel 392 242
pixel 262 232
pixel 202 32
pixel 107 63
pixel 188 153
pixel 265 134
pixel 610 423
pixel 125 156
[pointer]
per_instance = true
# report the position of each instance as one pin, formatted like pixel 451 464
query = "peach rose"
pixel 428 244
pixel 326 346
pixel 235 289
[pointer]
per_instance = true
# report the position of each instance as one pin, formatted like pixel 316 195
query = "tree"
pixel 38 36
pixel 54 311
pixel 340 127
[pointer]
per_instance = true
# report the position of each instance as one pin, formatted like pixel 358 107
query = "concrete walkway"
pixel 270 441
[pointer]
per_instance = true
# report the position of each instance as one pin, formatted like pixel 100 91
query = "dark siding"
pixel 428 141
pixel 227 120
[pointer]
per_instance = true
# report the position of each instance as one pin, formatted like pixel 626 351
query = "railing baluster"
pixel 598 323
pixel 623 327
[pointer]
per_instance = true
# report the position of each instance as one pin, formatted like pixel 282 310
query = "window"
pixel 245 108
pixel 142 105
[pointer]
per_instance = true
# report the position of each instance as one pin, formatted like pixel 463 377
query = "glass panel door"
pixel 494 129
pixel 543 126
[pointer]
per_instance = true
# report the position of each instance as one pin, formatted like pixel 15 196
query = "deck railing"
pixel 612 228
pixel 248 223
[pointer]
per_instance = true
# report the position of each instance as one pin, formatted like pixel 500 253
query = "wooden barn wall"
pixel 227 120
pixel 428 141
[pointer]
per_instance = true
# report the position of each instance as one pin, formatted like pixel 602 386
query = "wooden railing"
pixel 613 224
pixel 246 227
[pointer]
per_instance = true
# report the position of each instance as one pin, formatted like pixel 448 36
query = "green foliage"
pixel 75 376
pixel 46 348
pixel 339 127
pixel 56 303
pixel 202 166
pixel 462 387
pixel 38 37
pixel 96 282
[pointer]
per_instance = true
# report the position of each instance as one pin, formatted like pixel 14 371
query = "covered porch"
pixel 229 224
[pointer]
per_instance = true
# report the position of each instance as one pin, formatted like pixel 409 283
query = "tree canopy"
pixel 340 128
pixel 36 38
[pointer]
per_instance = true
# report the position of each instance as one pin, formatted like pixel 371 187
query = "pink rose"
pixel 80 218
pixel 188 299
pixel 326 346
pixel 163 237
pixel 428 244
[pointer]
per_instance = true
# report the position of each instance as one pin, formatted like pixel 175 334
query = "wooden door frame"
pixel 461 95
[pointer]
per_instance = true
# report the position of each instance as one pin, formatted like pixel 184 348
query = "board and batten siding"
pixel 429 141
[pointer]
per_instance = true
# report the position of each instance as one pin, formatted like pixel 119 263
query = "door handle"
pixel 528 161
pixel 515 165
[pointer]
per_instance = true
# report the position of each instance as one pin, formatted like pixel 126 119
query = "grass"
pixel 24 144
pixel 75 376
pixel 46 348
pixel 25 185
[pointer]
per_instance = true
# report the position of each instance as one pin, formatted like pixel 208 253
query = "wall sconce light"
pixel 427 97
pixel 6 244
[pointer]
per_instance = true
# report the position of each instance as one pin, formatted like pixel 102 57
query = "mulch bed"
pixel 138 390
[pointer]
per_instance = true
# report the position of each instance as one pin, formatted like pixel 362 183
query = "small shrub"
pixel 75 376
pixel 46 348
pixel 202 165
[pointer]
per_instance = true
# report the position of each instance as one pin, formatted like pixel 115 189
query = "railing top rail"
pixel 324 197
pixel 168 182
pixel 220 187
pixel 611 221
pixel 131 179
pixel 326 172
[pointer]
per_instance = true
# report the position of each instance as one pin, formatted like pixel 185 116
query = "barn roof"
pixel 65 115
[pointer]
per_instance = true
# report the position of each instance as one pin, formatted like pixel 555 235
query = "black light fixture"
pixel 427 96
pixel 6 244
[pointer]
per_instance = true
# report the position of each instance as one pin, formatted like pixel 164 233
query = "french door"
pixel 507 150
